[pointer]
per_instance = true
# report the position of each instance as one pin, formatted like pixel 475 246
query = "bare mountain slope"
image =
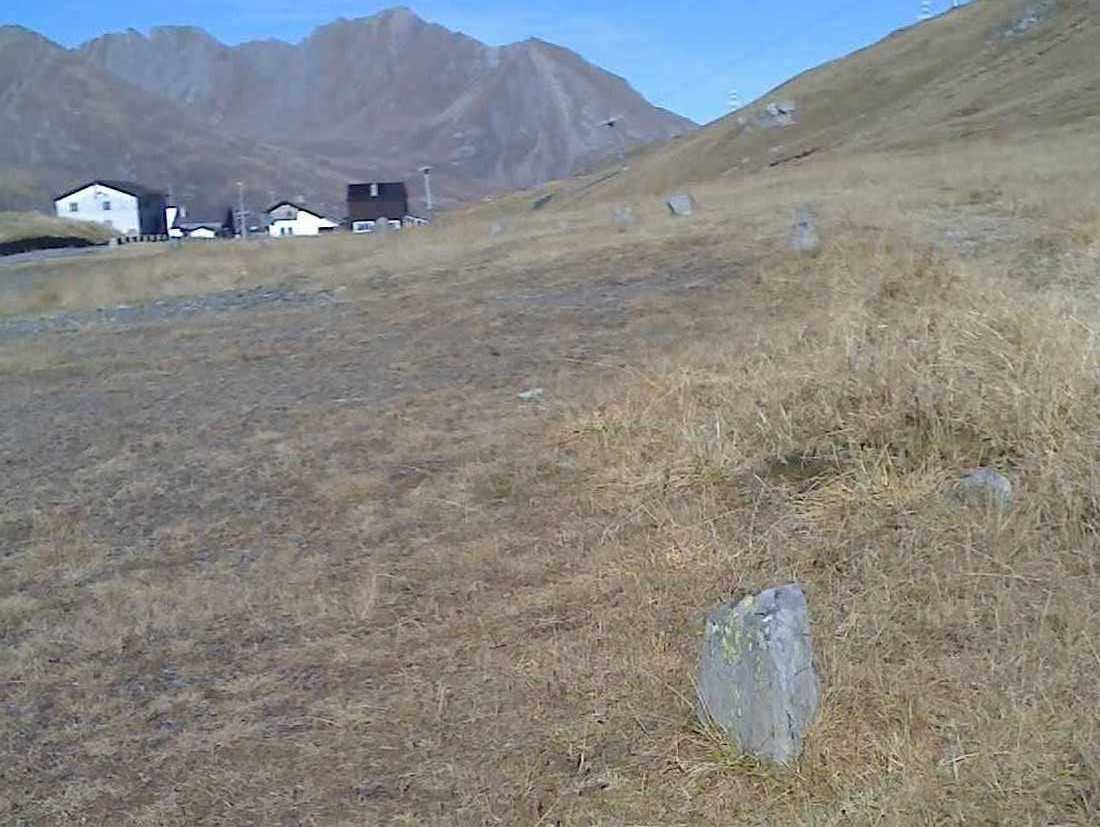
pixel 391 92
pixel 993 69
pixel 63 120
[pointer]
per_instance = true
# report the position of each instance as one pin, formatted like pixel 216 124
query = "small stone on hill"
pixel 756 680
pixel 681 204
pixel 778 115
pixel 985 486
pixel 624 216
pixel 533 395
pixel 804 236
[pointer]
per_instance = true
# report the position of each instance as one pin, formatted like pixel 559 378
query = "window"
pixel 106 206
pixel 74 207
pixel 373 190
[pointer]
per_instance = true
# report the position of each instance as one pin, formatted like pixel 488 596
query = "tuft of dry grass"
pixel 955 642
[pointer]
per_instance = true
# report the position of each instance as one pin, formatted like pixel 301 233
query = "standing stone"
pixel 681 204
pixel 778 115
pixel 986 486
pixel 756 674
pixel 624 216
pixel 804 237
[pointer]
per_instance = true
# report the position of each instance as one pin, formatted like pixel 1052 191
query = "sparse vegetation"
pixel 16 226
pixel 321 566
pixel 322 609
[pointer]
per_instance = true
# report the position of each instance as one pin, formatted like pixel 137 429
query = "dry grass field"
pixel 319 565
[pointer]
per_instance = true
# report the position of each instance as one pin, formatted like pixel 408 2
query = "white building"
pixel 171 215
pixel 289 219
pixel 194 230
pixel 131 209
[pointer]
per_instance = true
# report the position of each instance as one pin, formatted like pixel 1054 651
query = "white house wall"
pixel 123 213
pixel 303 224
pixel 170 216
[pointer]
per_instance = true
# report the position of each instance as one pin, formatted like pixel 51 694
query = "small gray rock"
pixel 533 395
pixel 757 681
pixel 986 486
pixel 778 115
pixel 495 229
pixel 624 216
pixel 804 235
pixel 681 204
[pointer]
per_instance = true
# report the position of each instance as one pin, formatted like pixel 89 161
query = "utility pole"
pixel 733 101
pixel 243 222
pixel 427 172
pixel 925 10
pixel 611 123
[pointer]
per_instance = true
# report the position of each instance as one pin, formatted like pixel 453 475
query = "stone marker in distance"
pixel 757 681
pixel 804 236
pixel 624 216
pixel 681 204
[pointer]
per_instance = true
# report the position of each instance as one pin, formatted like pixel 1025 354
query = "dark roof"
pixel 298 207
pixel 195 225
pixel 129 187
pixel 386 190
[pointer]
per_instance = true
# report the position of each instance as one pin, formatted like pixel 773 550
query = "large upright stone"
pixel 804 235
pixel 756 674
pixel 681 204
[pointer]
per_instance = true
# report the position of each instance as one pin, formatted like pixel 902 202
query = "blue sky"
pixel 687 56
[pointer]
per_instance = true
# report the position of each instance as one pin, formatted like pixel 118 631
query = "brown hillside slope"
pixel 985 71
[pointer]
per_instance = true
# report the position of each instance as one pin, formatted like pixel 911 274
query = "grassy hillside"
pixel 321 565
pixel 993 70
pixel 15 226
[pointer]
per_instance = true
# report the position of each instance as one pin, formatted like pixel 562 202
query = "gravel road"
pixel 168 309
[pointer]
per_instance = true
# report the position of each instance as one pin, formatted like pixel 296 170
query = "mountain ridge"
pixel 369 98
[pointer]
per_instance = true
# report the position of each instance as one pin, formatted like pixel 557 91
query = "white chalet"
pixel 131 209
pixel 289 219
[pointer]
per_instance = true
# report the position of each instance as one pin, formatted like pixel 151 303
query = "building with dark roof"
pixel 367 203
pixel 289 219
pixel 131 209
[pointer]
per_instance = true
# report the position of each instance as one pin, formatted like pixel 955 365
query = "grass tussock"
pixel 956 643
